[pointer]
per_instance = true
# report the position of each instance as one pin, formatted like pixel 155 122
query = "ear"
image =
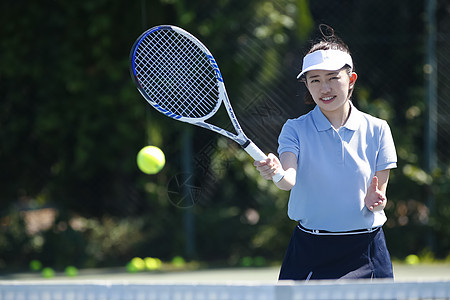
pixel 353 78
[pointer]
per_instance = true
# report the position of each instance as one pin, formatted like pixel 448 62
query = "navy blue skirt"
pixel 345 256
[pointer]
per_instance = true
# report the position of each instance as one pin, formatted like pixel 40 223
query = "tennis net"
pixel 104 290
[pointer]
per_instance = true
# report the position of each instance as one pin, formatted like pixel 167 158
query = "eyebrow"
pixel 328 74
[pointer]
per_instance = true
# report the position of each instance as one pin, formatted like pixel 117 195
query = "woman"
pixel 335 161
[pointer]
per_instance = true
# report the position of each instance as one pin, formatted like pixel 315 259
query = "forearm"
pixel 289 165
pixel 288 181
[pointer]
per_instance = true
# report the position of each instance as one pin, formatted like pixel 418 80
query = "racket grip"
pixel 254 151
pixel 258 155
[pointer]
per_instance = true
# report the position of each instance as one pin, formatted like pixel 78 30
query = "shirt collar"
pixel 354 121
pixel 320 121
pixel 322 124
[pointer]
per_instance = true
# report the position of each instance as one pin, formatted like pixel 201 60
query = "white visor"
pixel 332 60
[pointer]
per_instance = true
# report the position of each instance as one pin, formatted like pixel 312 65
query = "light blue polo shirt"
pixel 335 168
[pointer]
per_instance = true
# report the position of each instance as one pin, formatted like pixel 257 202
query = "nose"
pixel 325 88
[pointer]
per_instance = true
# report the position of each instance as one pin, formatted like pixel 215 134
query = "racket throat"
pixel 246 144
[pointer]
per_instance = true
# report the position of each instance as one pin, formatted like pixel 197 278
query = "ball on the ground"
pixel 152 263
pixel 71 271
pixel 48 272
pixel 138 263
pixel 178 262
pixel 35 265
pixel 412 259
pixel 151 160
pixel 131 268
pixel 247 261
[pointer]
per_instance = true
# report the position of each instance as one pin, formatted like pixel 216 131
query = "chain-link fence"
pixel 443 81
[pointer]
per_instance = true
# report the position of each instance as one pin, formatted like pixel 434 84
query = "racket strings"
pixel 176 74
pixel 180 105
pixel 203 87
pixel 195 79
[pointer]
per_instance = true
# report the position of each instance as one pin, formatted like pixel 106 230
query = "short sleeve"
pixel 288 140
pixel 387 156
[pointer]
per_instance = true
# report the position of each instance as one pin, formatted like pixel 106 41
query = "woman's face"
pixel 330 89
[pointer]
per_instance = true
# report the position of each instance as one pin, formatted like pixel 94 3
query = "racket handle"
pixel 258 155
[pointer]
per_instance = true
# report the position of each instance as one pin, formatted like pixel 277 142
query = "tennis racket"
pixel 179 77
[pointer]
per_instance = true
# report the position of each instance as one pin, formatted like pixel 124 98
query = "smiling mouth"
pixel 327 99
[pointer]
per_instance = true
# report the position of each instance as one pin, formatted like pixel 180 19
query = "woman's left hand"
pixel 375 199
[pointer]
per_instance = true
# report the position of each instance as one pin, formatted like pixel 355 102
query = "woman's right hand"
pixel 269 167
pixel 286 165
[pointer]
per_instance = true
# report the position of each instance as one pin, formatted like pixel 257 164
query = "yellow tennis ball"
pixel 138 263
pixel 150 160
pixel 412 259
pixel 48 272
pixel 71 271
pixel 152 263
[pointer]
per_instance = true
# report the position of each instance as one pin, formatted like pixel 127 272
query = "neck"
pixel 338 118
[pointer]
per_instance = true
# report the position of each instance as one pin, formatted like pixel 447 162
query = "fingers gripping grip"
pixel 258 155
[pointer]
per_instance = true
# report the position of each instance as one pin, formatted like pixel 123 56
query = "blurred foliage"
pixel 72 123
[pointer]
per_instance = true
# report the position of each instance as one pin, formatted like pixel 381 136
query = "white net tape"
pixel 101 290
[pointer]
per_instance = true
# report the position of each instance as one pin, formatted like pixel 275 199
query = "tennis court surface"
pixel 412 282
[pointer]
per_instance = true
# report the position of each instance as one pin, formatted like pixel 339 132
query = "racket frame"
pixel 240 136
